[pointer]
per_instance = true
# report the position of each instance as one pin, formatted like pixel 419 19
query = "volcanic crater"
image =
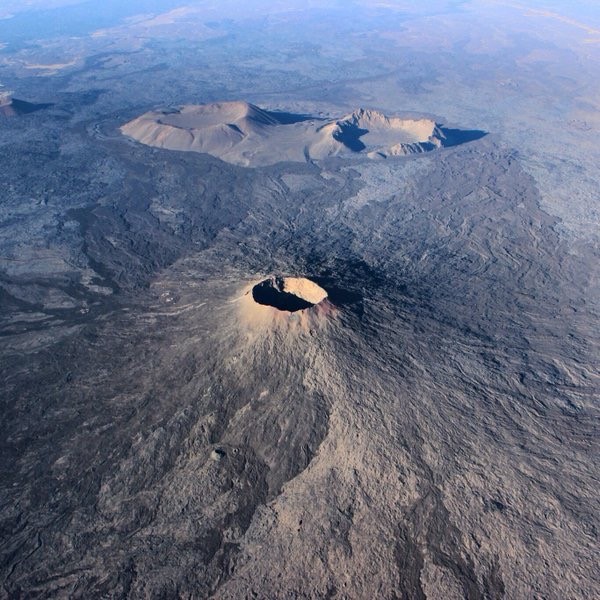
pixel 244 134
pixel 289 294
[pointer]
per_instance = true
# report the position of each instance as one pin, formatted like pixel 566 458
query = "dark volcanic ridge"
pixel 289 294
pixel 12 107
pixel 244 134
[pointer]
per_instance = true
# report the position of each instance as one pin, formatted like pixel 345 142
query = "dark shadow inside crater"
pixel 270 293
pixel 350 135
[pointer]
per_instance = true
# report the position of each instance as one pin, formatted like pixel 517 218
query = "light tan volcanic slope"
pixel 6 107
pixel 243 134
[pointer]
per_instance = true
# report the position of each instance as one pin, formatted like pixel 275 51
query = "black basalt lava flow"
pixel 271 293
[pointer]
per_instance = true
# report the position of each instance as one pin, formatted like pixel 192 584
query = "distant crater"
pixel 289 294
pixel 244 134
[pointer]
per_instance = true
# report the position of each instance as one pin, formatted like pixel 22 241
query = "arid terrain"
pixel 257 342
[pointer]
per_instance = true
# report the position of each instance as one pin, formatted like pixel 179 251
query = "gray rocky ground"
pixel 429 432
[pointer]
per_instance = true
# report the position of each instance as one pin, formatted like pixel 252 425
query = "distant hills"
pixel 244 134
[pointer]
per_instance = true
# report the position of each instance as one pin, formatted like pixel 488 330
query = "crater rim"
pixel 288 294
